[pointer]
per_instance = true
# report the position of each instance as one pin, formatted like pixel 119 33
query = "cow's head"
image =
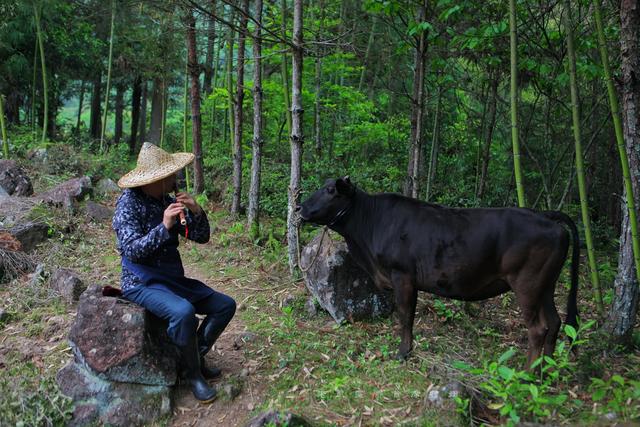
pixel 329 203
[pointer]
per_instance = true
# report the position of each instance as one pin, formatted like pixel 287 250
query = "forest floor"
pixel 284 358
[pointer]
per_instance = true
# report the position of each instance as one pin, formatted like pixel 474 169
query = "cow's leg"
pixel 534 288
pixel 406 296
pixel 552 321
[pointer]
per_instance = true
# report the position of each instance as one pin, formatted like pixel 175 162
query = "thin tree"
pixel 317 79
pixel 135 113
pixel 110 60
pixel 5 141
pixel 211 38
pixel 367 55
pixel 624 308
pixel 80 105
pixel 185 114
pixel 196 127
pixel 238 119
pixel 36 12
pixel 283 66
pixel 412 185
pixel 297 137
pixel 229 69
pixel 488 138
pixel 582 189
pixel 514 103
pixel 253 213
pixel 143 113
pixel 163 110
pixel 433 158
pixel 119 110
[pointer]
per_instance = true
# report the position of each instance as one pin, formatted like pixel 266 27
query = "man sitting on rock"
pixel 147 225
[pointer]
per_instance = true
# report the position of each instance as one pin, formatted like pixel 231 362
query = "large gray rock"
pixel 14 180
pixel 97 212
pixel 339 285
pixel 30 234
pixel 106 186
pixel 101 402
pixel 66 193
pixel 120 341
pixel 67 283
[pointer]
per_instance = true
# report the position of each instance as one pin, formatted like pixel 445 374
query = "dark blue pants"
pixel 181 314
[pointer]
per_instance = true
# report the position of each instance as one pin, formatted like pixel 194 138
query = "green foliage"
pixel 530 395
pixel 444 311
pixel 28 398
pixel 616 395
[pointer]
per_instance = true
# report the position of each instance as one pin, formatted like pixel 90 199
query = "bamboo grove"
pixel 464 103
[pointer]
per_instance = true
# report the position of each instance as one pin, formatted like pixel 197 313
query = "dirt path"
pixel 229 355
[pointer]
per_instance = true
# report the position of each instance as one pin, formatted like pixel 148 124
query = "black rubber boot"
pixel 192 374
pixel 207 336
pixel 209 373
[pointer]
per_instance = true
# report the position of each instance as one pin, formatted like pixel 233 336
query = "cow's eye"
pixel 331 190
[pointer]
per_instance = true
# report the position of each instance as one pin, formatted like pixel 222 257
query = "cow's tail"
pixel 572 305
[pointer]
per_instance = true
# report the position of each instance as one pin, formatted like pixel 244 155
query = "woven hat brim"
pixel 140 176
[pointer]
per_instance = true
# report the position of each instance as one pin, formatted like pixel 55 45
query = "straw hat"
pixel 153 165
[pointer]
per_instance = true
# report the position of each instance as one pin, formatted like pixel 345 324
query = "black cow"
pixel 466 254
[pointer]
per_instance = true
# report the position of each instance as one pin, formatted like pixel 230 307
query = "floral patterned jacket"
pixel 143 238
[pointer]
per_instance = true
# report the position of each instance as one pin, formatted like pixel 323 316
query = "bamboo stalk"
pixel 44 74
pixel 582 188
pixel 5 141
pixel 514 104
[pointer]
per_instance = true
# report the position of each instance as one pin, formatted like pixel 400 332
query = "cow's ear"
pixel 344 186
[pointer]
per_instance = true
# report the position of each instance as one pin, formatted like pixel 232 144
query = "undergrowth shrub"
pixel 530 395
pixel 27 398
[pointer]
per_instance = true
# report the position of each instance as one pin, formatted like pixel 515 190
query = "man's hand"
pixel 170 214
pixel 188 201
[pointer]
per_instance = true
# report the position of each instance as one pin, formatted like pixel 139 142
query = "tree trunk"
pixel 156 112
pixel 119 109
pixel 185 116
pixel 143 114
pixel 238 119
pixel 163 109
pixel 196 127
pixel 109 63
pixel 297 137
pixel 253 213
pixel 575 109
pixel 366 61
pixel 80 104
pixel 229 66
pixel 625 304
pixel 214 85
pixel 283 66
pixel 94 120
pixel 317 78
pixel 211 38
pixel 135 113
pixel 412 185
pixel 517 170
pixel 486 149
